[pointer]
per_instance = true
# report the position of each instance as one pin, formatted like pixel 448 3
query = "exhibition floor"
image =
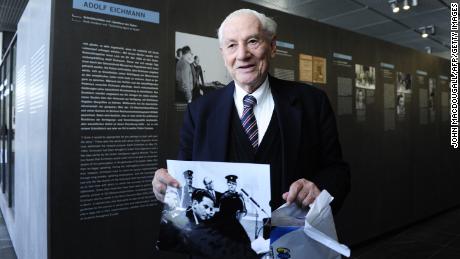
pixel 6 247
pixel 436 238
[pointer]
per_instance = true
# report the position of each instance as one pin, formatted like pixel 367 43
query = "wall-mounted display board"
pixel 364 89
pixel 285 67
pixel 105 127
pixel 341 67
pixel 432 99
pixel 389 97
pixel 421 81
pixel 403 94
pixel 445 90
pixel 312 69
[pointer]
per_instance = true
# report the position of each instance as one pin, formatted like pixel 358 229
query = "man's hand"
pixel 160 181
pixel 302 192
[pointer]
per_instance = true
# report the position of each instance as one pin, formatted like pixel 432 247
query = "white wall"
pixel 27 220
pixel 1 46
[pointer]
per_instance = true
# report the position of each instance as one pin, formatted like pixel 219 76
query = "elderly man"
pixel 261 119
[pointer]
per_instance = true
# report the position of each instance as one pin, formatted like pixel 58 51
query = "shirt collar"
pixel 260 94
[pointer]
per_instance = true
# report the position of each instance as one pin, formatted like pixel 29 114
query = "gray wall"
pixel 27 220
pixel 1 44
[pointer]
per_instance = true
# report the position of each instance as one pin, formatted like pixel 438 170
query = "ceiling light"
pixel 414 3
pixel 406 5
pixel 394 7
pixel 425 31
pixel 424 34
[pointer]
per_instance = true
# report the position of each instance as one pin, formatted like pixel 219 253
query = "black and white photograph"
pixel 365 77
pixel 218 209
pixel 403 93
pixel 431 94
pixel 199 66
pixel 404 83
pixel 400 105
pixel 360 99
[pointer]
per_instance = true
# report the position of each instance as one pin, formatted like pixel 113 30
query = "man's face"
pixel 204 209
pixel 209 185
pixel 188 57
pixel 401 100
pixel 171 198
pixel 246 50
pixel 231 186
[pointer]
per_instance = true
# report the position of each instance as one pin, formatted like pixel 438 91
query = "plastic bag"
pixel 298 234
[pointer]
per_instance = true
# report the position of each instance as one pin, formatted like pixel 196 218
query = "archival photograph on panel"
pixel 219 209
pixel 400 105
pixel 319 70
pixel 403 93
pixel 360 99
pixel 305 68
pixel 199 66
pixel 431 93
pixel 365 77
pixel 404 83
pixel 431 99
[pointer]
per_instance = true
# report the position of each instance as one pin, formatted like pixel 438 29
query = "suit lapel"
pixel 287 108
pixel 218 124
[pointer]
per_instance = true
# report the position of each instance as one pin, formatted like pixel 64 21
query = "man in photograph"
pixel 232 202
pixel 199 72
pixel 202 208
pixel 185 76
pixel 209 185
pixel 202 231
pixel 200 211
pixel 178 54
pixel 400 105
pixel 360 99
pixel 172 199
pixel 257 118
pixel 187 189
pixel 198 81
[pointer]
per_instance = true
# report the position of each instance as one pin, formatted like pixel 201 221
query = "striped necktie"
pixel 248 120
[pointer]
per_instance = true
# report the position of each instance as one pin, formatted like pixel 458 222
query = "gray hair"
pixel 268 24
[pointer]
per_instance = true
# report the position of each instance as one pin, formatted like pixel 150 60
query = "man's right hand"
pixel 160 181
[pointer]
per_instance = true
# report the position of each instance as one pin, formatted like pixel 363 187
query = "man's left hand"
pixel 302 192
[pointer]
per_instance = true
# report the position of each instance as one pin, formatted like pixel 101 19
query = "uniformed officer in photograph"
pixel 187 189
pixel 232 202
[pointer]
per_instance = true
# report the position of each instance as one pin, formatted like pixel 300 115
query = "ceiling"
pixel 10 12
pixel 376 19
pixel 369 17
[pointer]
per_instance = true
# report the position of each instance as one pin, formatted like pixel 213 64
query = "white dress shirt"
pixel 263 110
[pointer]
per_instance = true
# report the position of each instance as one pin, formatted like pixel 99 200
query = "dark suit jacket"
pixel 309 138
pixel 218 195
